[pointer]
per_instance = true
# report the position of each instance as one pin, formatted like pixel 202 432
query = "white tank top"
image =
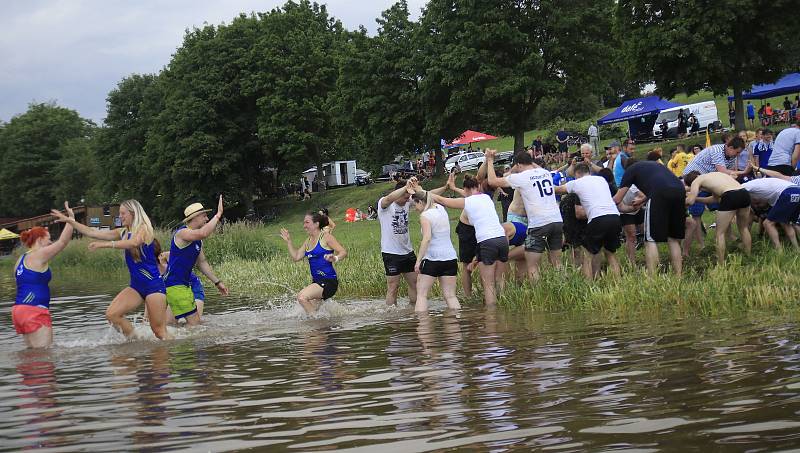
pixel 482 215
pixel 441 246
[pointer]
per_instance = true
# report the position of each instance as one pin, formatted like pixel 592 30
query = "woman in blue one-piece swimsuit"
pixel 137 240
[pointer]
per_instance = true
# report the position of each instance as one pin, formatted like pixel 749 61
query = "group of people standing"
pixel 164 281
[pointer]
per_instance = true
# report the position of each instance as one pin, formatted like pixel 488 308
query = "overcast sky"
pixel 74 52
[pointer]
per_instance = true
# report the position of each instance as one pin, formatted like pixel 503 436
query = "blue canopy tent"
pixel 639 113
pixel 790 83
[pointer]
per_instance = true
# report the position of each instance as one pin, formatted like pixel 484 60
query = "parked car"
pixel 466 161
pixel 504 157
pixel 362 177
pixel 705 112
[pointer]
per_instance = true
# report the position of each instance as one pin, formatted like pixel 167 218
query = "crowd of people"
pixel 584 208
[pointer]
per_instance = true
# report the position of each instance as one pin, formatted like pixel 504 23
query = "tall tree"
pixel 689 45
pixel 490 63
pixel 31 146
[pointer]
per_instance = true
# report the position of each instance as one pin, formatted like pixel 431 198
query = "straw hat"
pixel 193 210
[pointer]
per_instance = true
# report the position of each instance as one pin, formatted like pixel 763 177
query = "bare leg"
pixel 499 275
pixel 613 263
pixel 125 302
pixel 309 297
pixel 555 258
pixel 630 243
pixel 587 270
pixel 723 223
pixel 466 280
pixel 156 304
pixel 532 259
pixel 392 286
pixel 772 232
pixel 411 279
pixel 424 284
pixel 743 223
pixel 40 338
pixel 448 285
pixel 488 278
pixel 790 234
pixel 690 235
pixel 651 257
pixel 674 246
pixel 200 305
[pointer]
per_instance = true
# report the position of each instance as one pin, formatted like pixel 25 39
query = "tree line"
pixel 244 105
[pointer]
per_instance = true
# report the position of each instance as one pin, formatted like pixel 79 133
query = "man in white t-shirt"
pixel 535 184
pixel 602 232
pixel 783 198
pixel 398 254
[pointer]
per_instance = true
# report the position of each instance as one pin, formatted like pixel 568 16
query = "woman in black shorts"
pixel 436 257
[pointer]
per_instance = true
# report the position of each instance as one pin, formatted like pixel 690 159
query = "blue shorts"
pixel 519 235
pixel 197 289
pixel 516 218
pixel 787 207
pixel 147 287
pixel 697 209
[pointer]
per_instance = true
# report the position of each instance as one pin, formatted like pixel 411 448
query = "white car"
pixel 466 161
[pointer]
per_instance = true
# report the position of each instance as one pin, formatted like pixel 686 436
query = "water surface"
pixel 362 376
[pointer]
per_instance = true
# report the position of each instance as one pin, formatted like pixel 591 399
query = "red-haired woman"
pixel 31 311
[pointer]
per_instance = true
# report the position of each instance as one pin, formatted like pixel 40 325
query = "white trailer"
pixel 340 173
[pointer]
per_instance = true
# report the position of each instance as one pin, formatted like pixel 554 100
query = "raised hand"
pixel 490 153
pixel 70 213
pixel 60 217
pixel 285 235
pixel 219 206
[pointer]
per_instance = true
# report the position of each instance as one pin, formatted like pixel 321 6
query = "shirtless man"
pixel 733 200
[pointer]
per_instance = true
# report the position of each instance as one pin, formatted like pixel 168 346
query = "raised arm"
pixel 425 227
pixel 103 235
pixel 392 197
pixel 295 254
pixel 205 268
pixel 186 235
pixel 452 203
pixel 494 181
pixel 440 190
pixel 45 254
pixel 136 240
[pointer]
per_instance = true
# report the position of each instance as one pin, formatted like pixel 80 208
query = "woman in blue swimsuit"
pixel 137 240
pixel 322 250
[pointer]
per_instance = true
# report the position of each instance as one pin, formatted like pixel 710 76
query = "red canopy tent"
pixel 472 137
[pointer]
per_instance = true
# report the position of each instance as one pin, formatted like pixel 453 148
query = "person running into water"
pixel 492 245
pixel 733 200
pixel 136 238
pixel 437 257
pixel 186 252
pixel 197 288
pixel 322 250
pixel 31 312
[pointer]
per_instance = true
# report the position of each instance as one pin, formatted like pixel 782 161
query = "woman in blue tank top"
pixel 31 311
pixel 136 238
pixel 322 250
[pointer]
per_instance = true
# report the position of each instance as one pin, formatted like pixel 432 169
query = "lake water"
pixel 363 377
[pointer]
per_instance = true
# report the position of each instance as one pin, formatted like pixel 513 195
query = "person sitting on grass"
pixel 322 250
pixel 31 311
pixel 733 201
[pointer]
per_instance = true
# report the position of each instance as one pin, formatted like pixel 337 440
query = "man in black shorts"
pixel 664 212
pixel 603 229
pixel 398 255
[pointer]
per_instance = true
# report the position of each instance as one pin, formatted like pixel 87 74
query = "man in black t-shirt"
pixel 561 137
pixel 665 209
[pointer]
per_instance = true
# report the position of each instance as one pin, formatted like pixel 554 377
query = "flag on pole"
pixel 708 139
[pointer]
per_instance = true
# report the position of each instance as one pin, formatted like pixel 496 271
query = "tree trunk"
pixel 439 160
pixel 738 106
pixel 519 140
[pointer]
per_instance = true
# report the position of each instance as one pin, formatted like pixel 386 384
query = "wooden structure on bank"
pixel 100 217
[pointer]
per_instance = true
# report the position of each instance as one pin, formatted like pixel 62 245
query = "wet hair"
pixel 320 218
pixel 523 158
pixel 29 237
pixel 470 182
pixel 689 178
pixel 582 168
pixel 736 143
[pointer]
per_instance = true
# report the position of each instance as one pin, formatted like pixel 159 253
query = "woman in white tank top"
pixel 437 257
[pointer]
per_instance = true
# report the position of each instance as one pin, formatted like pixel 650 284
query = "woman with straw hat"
pixel 137 239
pixel 186 252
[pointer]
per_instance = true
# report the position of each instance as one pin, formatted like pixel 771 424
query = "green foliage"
pixel 32 145
pixel 688 45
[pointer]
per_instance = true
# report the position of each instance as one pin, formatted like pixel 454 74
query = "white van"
pixel 705 112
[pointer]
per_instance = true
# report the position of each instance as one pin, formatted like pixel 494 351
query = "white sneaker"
pixel 713 225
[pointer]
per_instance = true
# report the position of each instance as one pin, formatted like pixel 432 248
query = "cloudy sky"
pixel 74 52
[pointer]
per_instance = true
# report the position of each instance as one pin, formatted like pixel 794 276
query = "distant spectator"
pixel 561 138
pixel 537 145
pixel 732 117
pixel 751 113
pixel 594 138
pixel 787 104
